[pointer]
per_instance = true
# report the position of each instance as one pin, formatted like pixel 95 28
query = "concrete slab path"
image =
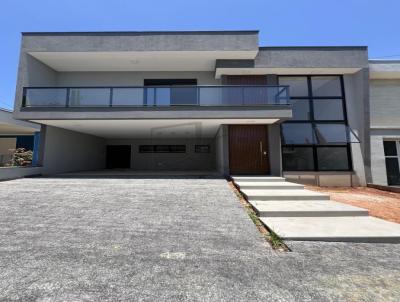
pixel 300 214
pixel 167 239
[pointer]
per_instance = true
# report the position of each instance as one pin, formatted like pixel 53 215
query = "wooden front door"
pixel 248 149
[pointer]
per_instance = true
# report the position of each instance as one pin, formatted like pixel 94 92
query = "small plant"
pixel 275 240
pixel 254 218
pixel 272 238
pixel 21 157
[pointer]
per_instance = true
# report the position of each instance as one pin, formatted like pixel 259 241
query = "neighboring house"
pixel 385 121
pixel 16 134
pixel 196 101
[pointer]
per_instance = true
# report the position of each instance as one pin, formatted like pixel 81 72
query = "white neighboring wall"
pixel 385 113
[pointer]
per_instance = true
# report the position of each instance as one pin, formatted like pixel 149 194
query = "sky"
pixel 373 23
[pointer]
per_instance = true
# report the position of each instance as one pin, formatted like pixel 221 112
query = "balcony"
pixel 150 96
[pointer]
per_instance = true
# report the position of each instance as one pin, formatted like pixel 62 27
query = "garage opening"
pixel 118 157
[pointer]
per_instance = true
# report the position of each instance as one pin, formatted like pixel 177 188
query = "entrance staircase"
pixel 295 213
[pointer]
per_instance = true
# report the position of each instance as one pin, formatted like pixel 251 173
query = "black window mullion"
pixel 314 122
pixel 344 101
pixel 315 156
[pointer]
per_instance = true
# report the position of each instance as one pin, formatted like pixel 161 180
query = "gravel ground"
pixel 168 239
pixel 381 204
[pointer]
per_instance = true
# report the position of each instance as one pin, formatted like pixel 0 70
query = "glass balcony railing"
pixel 155 96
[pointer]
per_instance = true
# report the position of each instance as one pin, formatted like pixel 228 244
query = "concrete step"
pixel 305 208
pixel 268 185
pixel 348 229
pixel 258 178
pixel 273 194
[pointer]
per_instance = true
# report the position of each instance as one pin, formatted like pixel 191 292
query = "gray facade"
pixel 100 67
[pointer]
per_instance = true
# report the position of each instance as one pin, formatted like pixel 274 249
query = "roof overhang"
pixel 151 128
pixel 10 126
pixel 138 60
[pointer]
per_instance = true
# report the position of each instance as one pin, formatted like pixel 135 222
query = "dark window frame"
pixel 299 146
pixel 167 149
pixel 314 122
pixel 197 148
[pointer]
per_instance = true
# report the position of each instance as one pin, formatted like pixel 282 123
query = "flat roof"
pixel 330 48
pixel 375 61
pixel 141 33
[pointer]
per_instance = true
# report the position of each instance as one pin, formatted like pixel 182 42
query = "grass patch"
pixel 270 236
pixel 276 241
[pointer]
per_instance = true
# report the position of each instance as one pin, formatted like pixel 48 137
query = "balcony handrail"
pixel 159 86
pixel 149 97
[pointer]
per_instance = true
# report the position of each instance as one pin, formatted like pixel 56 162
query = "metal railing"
pixel 150 96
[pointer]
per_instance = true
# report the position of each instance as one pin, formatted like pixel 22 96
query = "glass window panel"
pixel 331 109
pixel 298 86
pixel 162 96
pixel 298 159
pixel 177 148
pixel 53 97
pixel 331 133
pixel 128 96
pixel 393 171
pixel 301 109
pixel 89 97
pixel 183 96
pixel 146 149
pixel 258 95
pixel 202 148
pixel 162 149
pixel 326 86
pixel 232 96
pixel 390 148
pixel 150 96
pixel 210 96
pixel 297 133
pixel 332 158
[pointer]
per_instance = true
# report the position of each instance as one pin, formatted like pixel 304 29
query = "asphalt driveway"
pixel 167 239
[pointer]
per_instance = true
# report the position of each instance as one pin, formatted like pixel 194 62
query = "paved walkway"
pixel 167 239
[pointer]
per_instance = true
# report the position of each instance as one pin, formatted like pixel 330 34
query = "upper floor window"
pixel 318 131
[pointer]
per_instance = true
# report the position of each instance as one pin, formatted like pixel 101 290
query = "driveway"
pixel 167 239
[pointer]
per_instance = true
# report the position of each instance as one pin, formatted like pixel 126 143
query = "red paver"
pixel 381 204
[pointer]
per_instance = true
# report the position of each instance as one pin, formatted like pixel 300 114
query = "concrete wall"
pixel 323 179
pixel 222 150
pixel 142 41
pixel 385 123
pixel 7 145
pixel 7 173
pixel 169 161
pixel 274 149
pixel 385 103
pixel 129 78
pixel 357 106
pixel 32 72
pixel 68 151
pixel 378 165
pixel 312 57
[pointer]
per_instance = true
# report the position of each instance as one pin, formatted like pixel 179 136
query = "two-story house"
pixel 196 101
